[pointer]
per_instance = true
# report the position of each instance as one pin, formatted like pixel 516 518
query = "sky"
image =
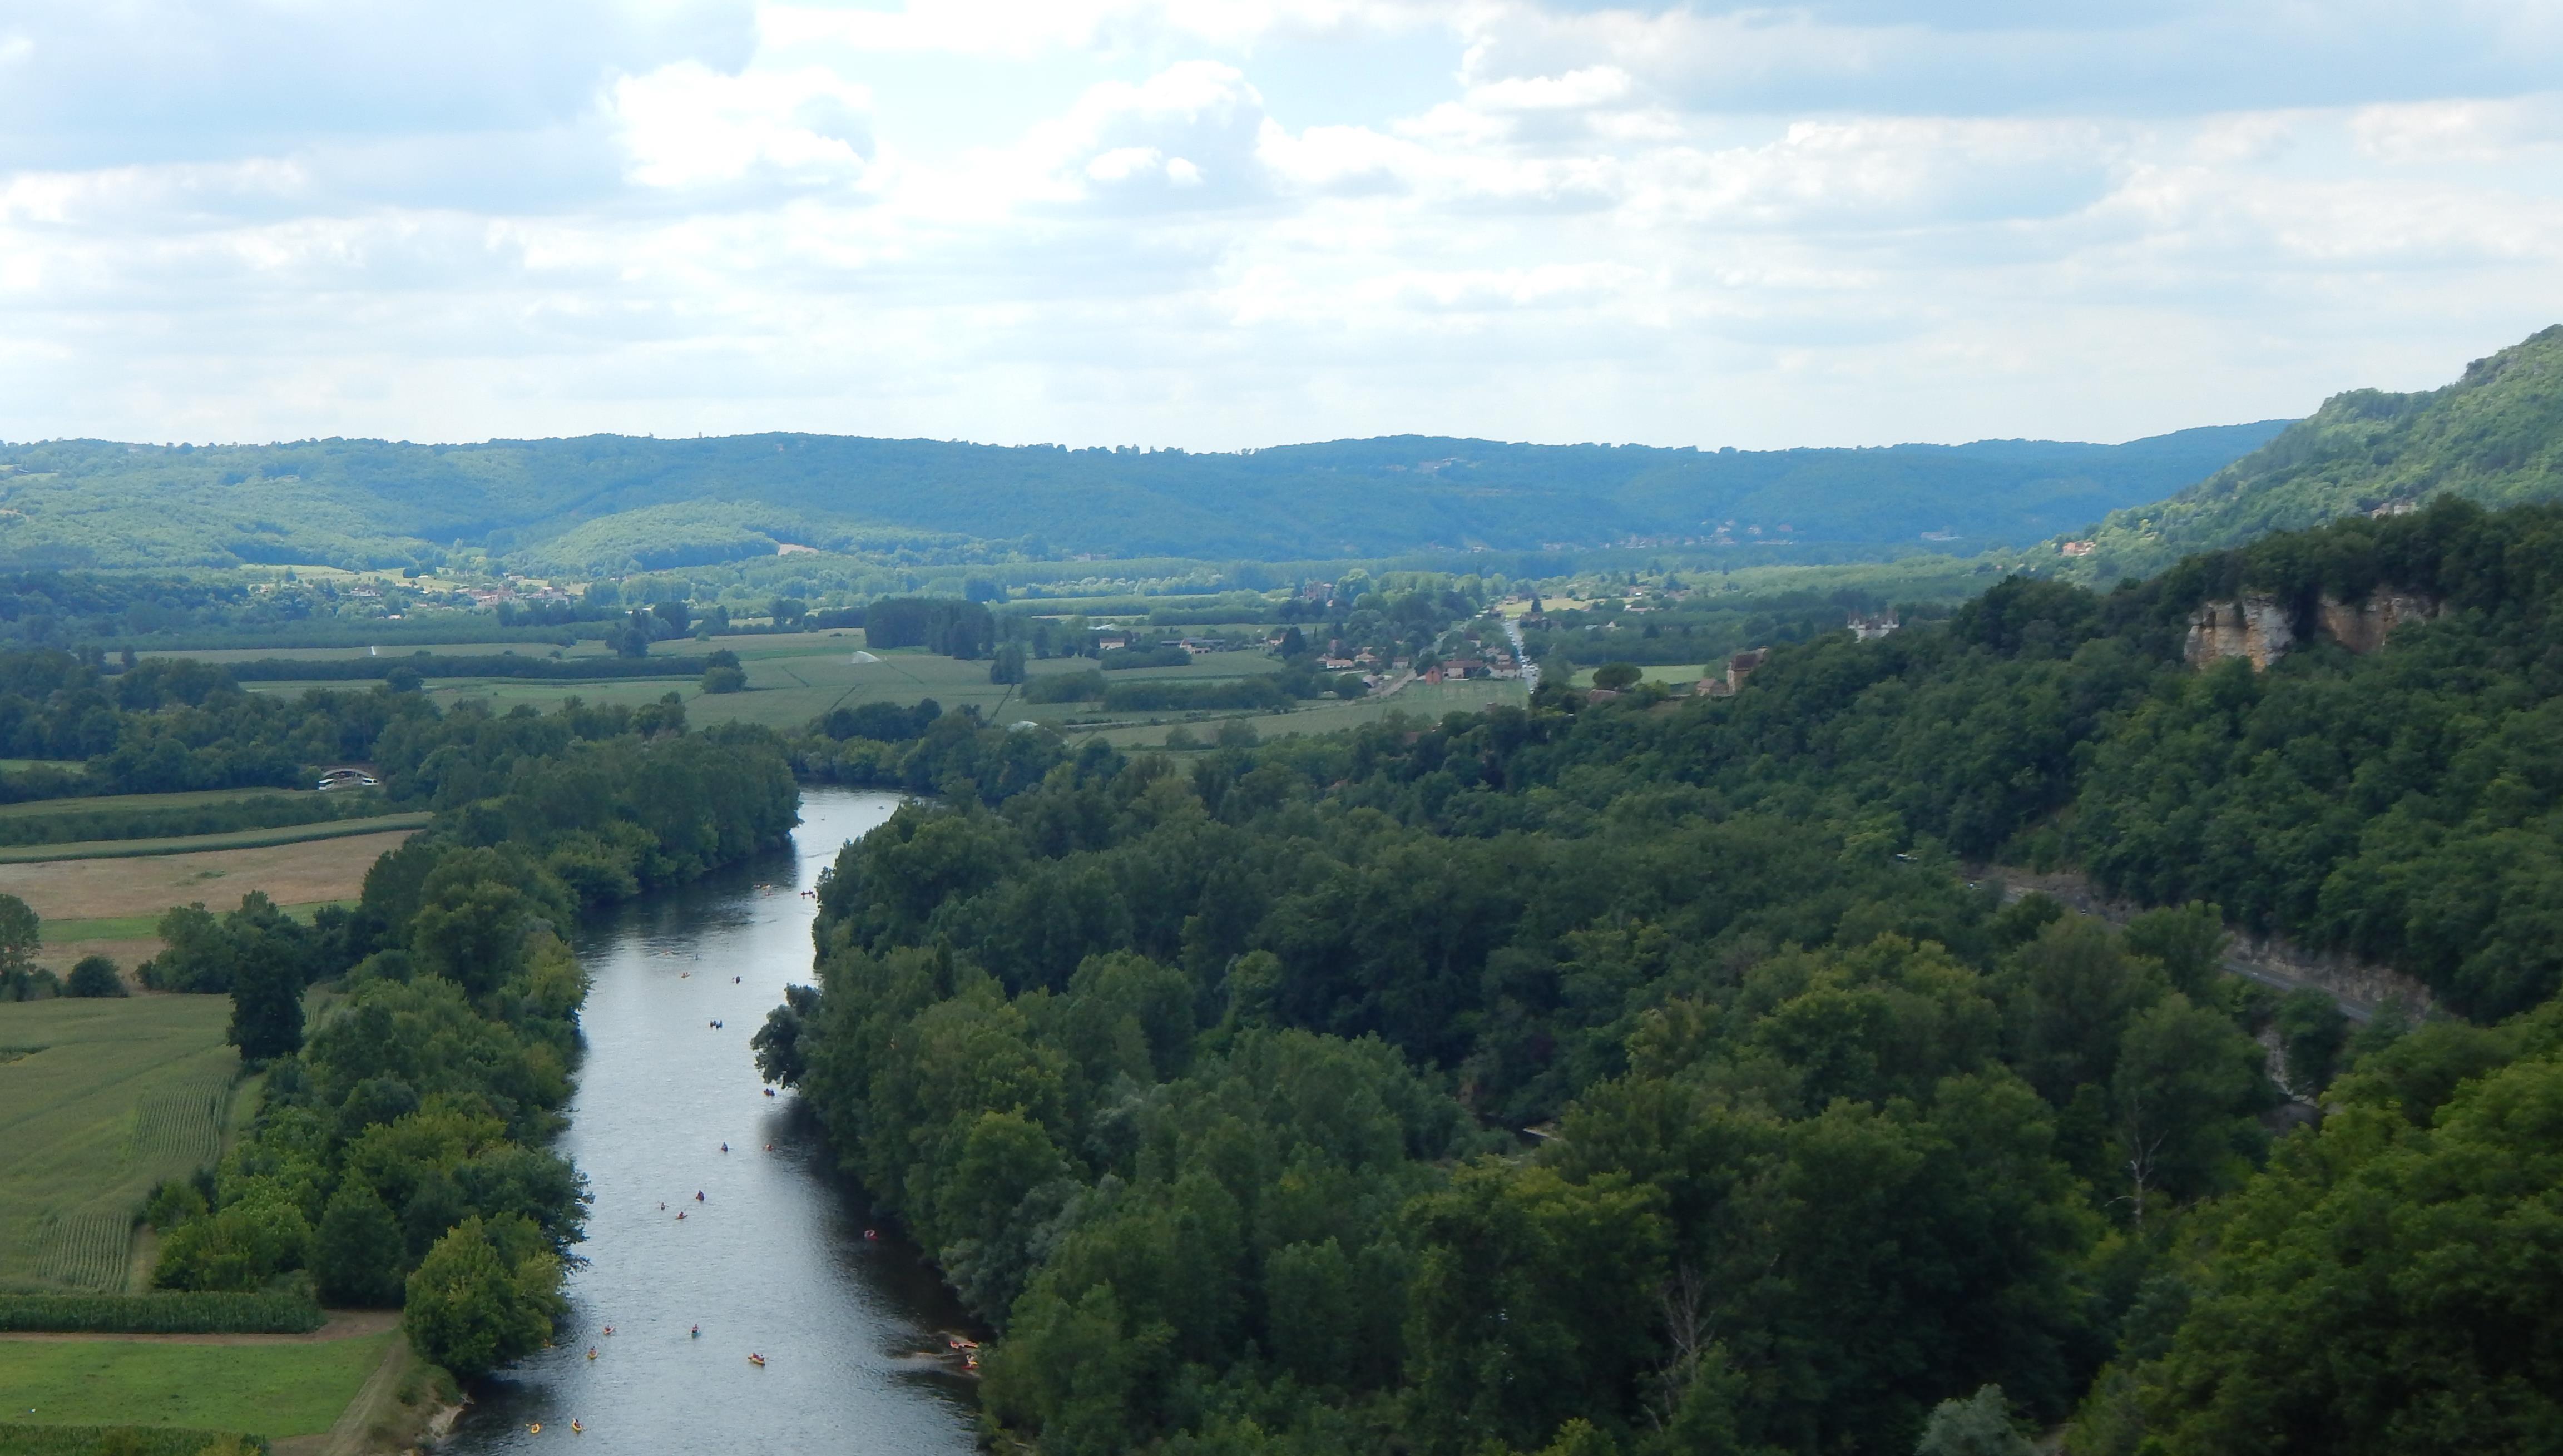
pixel 1214 223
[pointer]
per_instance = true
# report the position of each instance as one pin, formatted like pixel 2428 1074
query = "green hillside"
pixel 612 503
pixel 2494 436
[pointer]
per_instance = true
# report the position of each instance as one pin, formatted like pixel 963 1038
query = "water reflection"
pixel 773 1258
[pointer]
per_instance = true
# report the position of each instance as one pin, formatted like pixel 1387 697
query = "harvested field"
pixel 291 874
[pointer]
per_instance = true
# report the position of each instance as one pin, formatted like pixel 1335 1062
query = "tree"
pixel 2188 942
pixel 2384 1288
pixel 2184 1093
pixel 472 932
pixel 1617 677
pixel 2312 1032
pixel 1980 1425
pixel 787 610
pixel 1533 1300
pixel 267 1008
pixel 21 935
pixel 718 679
pixel 1008 665
pixel 95 976
pixel 486 1294
pixel 1294 642
pixel 358 1254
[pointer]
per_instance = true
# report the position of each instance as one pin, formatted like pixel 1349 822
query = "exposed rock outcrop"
pixel 2362 626
pixel 2257 628
pixel 2262 630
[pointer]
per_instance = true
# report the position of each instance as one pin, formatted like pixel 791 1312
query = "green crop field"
pixel 1424 700
pixel 109 802
pixel 99 1101
pixel 195 843
pixel 276 1388
pixel 791 678
pixel 794 677
pixel 1584 678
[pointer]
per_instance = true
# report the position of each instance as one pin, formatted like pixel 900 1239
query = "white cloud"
pixel 687 126
pixel 1198 222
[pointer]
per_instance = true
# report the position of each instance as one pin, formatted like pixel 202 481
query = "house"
pixel 1338 664
pixel 2078 548
pixel 1741 666
pixel 1870 629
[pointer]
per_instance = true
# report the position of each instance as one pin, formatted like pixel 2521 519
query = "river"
pixel 774 1259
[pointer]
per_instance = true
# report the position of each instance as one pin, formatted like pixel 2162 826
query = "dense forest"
pixel 613 504
pixel 399 1155
pixel 2493 436
pixel 1647 1075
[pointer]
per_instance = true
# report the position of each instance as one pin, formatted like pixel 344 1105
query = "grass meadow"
pixel 100 1100
pixel 272 1389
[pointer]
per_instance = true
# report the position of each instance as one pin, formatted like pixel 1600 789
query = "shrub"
pixel 95 976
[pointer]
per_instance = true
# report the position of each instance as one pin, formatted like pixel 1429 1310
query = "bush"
pixel 725 679
pixel 95 976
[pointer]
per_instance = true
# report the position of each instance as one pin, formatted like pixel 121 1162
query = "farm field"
pixel 791 680
pixel 1425 701
pixel 99 1101
pixel 272 1389
pixel 103 802
pixel 1584 676
pixel 311 872
pixel 202 843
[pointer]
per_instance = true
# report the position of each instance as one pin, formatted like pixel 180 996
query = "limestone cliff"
pixel 2262 630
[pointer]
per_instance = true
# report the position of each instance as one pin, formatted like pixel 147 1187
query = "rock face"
pixel 2257 627
pixel 2262 629
pixel 2362 626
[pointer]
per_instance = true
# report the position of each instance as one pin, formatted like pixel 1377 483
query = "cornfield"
pixel 83 1251
pixel 184 1312
pixel 183 1125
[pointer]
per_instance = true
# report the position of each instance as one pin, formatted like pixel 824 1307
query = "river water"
pixel 774 1258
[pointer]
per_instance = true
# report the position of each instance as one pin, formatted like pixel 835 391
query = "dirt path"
pixel 2358 987
pixel 351 1433
pixel 343 1325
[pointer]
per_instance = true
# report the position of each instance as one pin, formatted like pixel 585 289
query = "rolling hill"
pixel 2494 436
pixel 610 504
